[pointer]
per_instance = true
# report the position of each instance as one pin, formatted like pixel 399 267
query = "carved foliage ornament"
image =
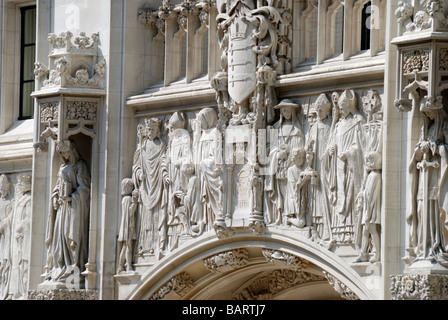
pixel 181 284
pixel 272 283
pixel 227 261
pixel 419 287
pixel 341 288
pixel 290 260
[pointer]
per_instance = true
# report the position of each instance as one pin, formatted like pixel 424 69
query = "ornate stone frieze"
pixel 181 284
pixel 195 173
pixel 227 261
pixel 341 288
pixel 273 283
pixel 63 294
pixel 419 287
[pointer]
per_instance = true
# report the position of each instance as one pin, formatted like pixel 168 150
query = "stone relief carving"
pixel 419 287
pixel 290 260
pixel 72 63
pixel 427 169
pixel 68 220
pixel 15 219
pixel 151 178
pixel 323 176
pixel 128 230
pixel 181 284
pixel 60 294
pixel 273 283
pixel 255 160
pixel 227 261
pixel 429 14
pixel 340 288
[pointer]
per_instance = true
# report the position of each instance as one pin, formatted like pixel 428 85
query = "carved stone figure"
pixel 191 199
pixel 210 165
pixel 346 150
pixel 295 199
pixel 6 207
pixel 151 178
pixel 128 233
pixel 370 198
pixel 318 138
pixel 428 169
pixel 68 220
pixel 179 153
pixel 20 239
pixel 290 136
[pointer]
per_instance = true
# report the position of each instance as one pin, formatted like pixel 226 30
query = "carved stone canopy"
pixel 70 89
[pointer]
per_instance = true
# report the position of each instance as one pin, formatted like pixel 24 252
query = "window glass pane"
pixel 28 62
pixel 27 101
pixel 365 26
pixel 29 26
pixel 28 52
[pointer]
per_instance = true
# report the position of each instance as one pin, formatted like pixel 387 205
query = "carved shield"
pixel 241 60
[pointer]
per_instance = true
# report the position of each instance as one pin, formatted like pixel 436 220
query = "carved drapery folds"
pixel 317 172
pixel 421 93
pixel 15 237
pixel 307 165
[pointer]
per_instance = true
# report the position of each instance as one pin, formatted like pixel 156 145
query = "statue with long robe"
pixel 68 221
pixel 151 178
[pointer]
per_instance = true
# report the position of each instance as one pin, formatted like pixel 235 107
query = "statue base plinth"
pixel 426 267
pixel 127 281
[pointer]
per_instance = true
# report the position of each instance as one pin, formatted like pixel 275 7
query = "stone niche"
pixel 69 97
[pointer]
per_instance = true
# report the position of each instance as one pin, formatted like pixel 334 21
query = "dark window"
pixel 27 57
pixel 366 26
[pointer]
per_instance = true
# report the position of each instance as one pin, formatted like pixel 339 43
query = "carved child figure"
pixel 295 215
pixel 370 198
pixel 128 234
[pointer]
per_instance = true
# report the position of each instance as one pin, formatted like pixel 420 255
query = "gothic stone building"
pixel 224 149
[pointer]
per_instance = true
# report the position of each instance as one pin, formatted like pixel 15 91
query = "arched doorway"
pixel 248 267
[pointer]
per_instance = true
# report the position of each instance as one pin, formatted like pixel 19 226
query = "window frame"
pixel 24 45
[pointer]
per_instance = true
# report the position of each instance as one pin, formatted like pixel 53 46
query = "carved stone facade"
pixel 228 149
